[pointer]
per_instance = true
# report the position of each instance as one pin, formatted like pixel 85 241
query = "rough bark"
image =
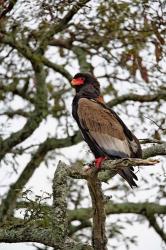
pixel 99 239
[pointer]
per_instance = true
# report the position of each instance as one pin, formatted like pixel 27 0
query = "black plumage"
pixel 102 129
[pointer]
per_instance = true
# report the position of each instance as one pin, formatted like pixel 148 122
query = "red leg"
pixel 98 161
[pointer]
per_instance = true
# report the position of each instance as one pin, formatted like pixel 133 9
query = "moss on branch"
pixel 30 233
pixel 59 218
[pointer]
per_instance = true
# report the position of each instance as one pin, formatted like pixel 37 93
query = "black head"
pixel 86 85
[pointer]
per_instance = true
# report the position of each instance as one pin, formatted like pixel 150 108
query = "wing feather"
pixel 103 127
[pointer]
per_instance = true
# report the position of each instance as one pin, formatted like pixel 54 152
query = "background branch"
pixel 153 222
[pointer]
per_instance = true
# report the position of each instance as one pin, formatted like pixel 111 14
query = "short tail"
pixel 129 176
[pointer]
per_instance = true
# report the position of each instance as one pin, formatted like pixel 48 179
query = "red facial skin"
pixel 77 81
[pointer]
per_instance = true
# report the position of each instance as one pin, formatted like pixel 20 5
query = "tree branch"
pixel 153 222
pixel 119 208
pixel 35 233
pixel 36 116
pixel 160 95
pixel 99 239
pixel 61 25
pixel 33 56
pixel 30 231
pixel 8 8
pixel 109 168
pixel 19 112
pixel 82 59
pixel 159 149
pixel 8 204
pixel 149 210
pixel 84 214
pixel 59 220
pixel 58 68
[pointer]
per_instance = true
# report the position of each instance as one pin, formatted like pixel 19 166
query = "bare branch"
pixel 61 25
pixel 160 95
pixel 58 68
pixel 99 240
pixel 19 112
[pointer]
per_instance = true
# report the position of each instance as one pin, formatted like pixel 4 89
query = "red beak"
pixel 77 81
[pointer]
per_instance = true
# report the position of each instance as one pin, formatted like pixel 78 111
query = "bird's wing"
pixel 103 127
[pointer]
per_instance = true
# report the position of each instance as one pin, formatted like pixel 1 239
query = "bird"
pixel 102 129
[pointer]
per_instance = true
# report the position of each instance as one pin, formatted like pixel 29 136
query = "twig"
pixel 163 129
pixel 155 225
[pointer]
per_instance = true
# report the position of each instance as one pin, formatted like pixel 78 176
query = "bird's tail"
pixel 129 176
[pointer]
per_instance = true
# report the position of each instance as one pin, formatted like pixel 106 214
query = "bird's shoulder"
pixel 95 109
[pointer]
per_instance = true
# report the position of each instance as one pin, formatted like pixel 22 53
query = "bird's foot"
pixel 98 161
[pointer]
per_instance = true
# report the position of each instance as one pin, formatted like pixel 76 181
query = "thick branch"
pixel 59 223
pixel 99 239
pixel 127 162
pixel 159 149
pixel 149 210
pixel 34 233
pixel 109 168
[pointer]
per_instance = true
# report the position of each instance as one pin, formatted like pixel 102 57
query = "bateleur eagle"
pixel 102 129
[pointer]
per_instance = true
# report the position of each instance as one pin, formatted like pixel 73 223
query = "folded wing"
pixel 104 128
